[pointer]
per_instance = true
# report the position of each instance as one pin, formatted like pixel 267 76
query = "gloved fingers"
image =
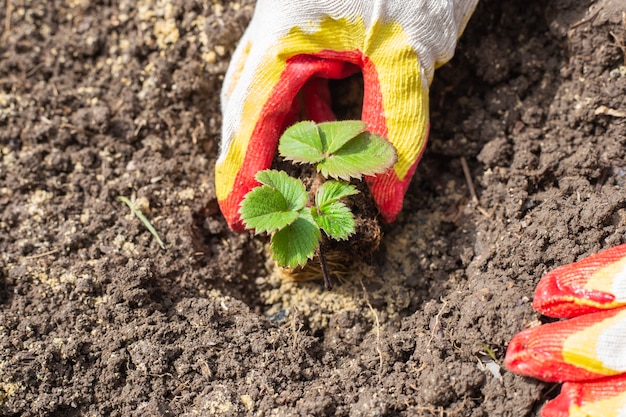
pixel 253 144
pixel 395 44
pixel 587 347
pixel 591 284
pixel 604 397
pixel 395 107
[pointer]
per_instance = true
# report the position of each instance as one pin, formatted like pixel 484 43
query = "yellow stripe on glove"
pixel 588 352
pixel 396 44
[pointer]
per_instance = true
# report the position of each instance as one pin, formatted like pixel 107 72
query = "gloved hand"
pixel 279 70
pixel 587 352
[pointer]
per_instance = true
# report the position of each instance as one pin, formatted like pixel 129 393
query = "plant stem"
pixel 317 183
pixel 328 284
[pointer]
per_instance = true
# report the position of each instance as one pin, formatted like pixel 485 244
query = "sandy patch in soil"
pixel 103 100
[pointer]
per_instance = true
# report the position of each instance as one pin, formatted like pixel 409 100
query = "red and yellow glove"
pixel 292 47
pixel 587 352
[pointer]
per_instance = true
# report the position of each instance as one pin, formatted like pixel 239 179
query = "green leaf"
pixel 331 191
pixel 336 134
pixel 137 212
pixel 340 149
pixel 291 189
pixel 302 143
pixel 296 243
pixel 265 209
pixel 335 219
pixel 367 154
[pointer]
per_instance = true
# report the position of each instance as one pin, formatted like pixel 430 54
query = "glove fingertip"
pixel 531 353
pixel 516 354
pixel 388 192
pixel 592 284
pixel 579 349
pixel 603 397
pixel 561 405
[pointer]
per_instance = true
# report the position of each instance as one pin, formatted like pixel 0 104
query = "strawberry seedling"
pixel 294 217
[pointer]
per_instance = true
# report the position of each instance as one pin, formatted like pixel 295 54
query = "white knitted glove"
pixel 291 46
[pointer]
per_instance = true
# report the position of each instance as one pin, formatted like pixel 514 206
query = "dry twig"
pixel 377 322
pixel 7 18
pixel 472 190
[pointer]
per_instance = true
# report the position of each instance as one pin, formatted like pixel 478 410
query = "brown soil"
pixel 102 99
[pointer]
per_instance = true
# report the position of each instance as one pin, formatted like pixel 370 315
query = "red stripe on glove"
pixel 562 292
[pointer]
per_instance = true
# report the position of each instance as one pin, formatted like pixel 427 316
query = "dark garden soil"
pixel 107 99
